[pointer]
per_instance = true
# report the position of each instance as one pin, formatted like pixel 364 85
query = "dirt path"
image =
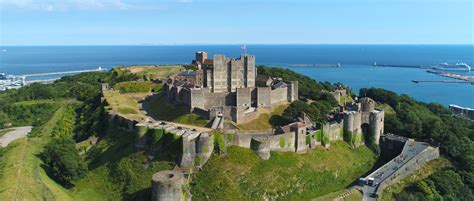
pixel 16 133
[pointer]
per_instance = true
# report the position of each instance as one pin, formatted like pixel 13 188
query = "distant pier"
pixel 467 78
pixel 402 66
pixel 317 65
pixel 100 69
pixel 444 81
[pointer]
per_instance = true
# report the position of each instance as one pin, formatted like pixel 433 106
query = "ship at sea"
pixel 456 67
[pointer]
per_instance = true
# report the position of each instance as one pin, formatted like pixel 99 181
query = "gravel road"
pixel 17 132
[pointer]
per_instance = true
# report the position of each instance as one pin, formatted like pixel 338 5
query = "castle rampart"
pixel 413 156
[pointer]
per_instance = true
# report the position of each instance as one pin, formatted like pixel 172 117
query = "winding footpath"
pixel 16 133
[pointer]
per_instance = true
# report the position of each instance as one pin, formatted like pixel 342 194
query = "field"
pixel 266 119
pixel 242 175
pixel 154 71
pixel 126 104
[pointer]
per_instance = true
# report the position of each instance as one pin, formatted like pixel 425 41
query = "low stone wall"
pixel 283 142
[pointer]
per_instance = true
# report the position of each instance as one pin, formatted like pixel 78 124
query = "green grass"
pixel 429 169
pixel 23 178
pixel 118 171
pixel 266 120
pixel 161 109
pixel 35 102
pixel 155 71
pixel 191 119
pixel 127 110
pixel 242 175
pixel 126 104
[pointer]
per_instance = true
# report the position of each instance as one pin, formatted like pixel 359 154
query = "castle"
pixel 227 88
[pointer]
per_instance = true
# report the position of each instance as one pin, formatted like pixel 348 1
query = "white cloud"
pixel 64 5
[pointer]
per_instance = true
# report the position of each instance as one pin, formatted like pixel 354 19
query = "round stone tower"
pixel 377 124
pixel 367 104
pixel 204 148
pixel 349 121
pixel 140 132
pixel 167 186
pixel 261 145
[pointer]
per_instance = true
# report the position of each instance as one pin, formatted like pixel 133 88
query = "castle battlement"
pixel 228 87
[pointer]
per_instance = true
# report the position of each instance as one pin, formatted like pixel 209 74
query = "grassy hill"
pixel 22 176
pixel 118 171
pixel 242 175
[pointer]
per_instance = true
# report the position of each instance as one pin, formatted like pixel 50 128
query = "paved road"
pixel 410 150
pixel 17 132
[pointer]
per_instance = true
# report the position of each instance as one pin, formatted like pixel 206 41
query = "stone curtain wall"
pixel 279 95
pixel 430 153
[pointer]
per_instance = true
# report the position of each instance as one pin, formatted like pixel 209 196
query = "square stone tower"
pixel 230 74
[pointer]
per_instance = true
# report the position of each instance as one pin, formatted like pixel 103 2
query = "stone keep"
pixel 167 186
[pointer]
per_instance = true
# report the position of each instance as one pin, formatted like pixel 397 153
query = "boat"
pixel 457 66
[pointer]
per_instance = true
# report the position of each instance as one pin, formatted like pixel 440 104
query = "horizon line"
pixel 223 44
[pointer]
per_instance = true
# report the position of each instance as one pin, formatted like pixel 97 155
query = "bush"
pixel 134 87
pixel 219 142
pixel 64 161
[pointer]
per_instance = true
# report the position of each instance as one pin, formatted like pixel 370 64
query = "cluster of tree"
pixel 307 88
pixel 315 99
pixel 26 114
pixel 36 111
pixel 62 159
pixel 431 122
pixel 91 119
pixel 64 162
pixel 443 185
pixel 122 74
pixel 317 111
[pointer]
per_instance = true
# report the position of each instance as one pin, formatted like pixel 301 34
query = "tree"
pixel 3 119
pixel 64 161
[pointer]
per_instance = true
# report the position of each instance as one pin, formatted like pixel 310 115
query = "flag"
pixel 243 47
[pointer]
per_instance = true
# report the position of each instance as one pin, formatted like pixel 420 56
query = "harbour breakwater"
pixel 402 66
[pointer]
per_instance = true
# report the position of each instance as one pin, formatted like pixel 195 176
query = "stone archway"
pixel 365 130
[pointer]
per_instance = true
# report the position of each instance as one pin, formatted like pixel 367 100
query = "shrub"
pixel 64 161
pixel 134 87
pixel 219 142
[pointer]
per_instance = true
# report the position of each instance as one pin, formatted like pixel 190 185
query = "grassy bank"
pixel 241 175
pixel 266 119
pixel 117 171
pixel 161 109
pixel 23 177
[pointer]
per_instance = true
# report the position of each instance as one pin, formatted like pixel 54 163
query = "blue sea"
pixel 356 60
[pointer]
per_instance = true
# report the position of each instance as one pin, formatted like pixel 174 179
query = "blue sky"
pixel 139 22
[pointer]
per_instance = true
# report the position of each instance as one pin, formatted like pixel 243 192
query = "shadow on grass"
pixel 143 194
